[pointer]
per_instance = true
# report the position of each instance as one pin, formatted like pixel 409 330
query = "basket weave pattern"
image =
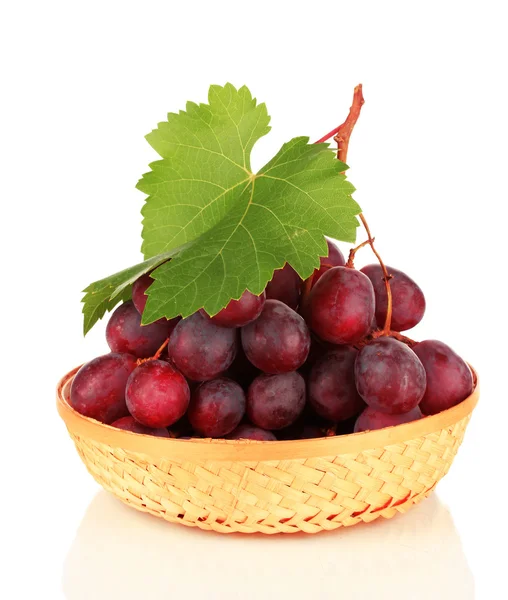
pixel 271 496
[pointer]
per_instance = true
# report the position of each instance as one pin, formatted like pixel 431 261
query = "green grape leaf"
pixel 205 164
pixel 227 228
pixel 103 295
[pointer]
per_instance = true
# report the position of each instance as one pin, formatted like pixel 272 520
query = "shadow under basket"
pixel 271 487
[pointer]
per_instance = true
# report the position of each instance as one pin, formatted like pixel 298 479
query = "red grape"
pixel 157 394
pixel 286 286
pixel 130 424
pixel 240 312
pixel 200 349
pixel 341 306
pixel 139 288
pixel 124 332
pixel 331 385
pixel 139 297
pixel 335 258
pixel 278 341
pixel 276 401
pixel 250 432
pixel 371 419
pixel 389 376
pixel 408 301
pixel 449 379
pixel 217 407
pixel 98 389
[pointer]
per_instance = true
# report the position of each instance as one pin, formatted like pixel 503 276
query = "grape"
pixel 240 312
pixel 341 306
pixel 200 349
pixel 130 424
pixel 217 407
pixel 157 394
pixel 276 401
pixel 371 419
pixel 124 332
pixel 278 341
pixel 286 286
pixel 389 376
pixel 139 288
pixel 335 258
pixel 139 298
pixel 250 432
pixel 331 385
pixel 408 301
pixel 98 389
pixel 449 379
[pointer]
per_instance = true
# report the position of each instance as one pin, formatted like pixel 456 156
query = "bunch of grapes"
pixel 302 360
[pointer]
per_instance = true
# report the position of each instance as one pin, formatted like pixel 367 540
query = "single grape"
pixel 98 388
pixel 331 385
pixel 389 376
pixel 341 306
pixel 276 401
pixel 335 258
pixel 286 286
pixel 217 407
pixel 408 301
pixel 239 312
pixel 250 432
pixel 449 379
pixel 124 332
pixel 157 394
pixel 200 349
pixel 278 341
pixel 371 419
pixel 139 298
pixel 130 424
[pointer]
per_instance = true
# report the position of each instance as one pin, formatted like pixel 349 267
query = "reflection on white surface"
pixel 119 553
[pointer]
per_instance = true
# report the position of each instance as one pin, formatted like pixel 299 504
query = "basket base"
pixel 196 496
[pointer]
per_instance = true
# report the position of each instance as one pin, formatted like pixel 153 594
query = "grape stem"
pixel 342 135
pixel 156 356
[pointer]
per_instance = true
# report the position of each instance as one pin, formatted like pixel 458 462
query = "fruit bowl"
pixel 271 487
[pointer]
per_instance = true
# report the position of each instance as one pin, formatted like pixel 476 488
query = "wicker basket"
pixel 271 487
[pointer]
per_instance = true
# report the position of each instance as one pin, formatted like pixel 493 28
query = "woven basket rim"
pixel 250 450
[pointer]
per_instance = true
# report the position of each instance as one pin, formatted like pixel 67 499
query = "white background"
pixel 83 82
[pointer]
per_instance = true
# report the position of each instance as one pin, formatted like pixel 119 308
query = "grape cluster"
pixel 280 365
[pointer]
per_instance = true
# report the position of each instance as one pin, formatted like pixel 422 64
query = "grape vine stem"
pixel 341 135
pixel 156 356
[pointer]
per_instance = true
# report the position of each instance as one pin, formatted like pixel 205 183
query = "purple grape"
pixel 331 385
pixel 278 341
pixel 130 424
pixel 217 407
pixel 408 301
pixel 239 312
pixel 200 349
pixel 157 394
pixel 98 388
pixel 276 401
pixel 389 376
pixel 371 419
pixel 335 258
pixel 449 379
pixel 250 432
pixel 124 332
pixel 286 286
pixel 139 298
pixel 341 306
